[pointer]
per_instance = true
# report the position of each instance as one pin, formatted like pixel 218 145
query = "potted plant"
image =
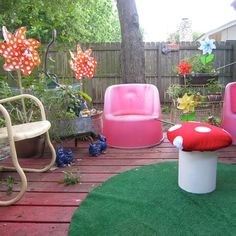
pixel 63 108
pixel 214 90
pixel 66 105
pixel 199 68
pixel 176 90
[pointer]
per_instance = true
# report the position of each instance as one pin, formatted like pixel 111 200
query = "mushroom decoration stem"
pixel 197 143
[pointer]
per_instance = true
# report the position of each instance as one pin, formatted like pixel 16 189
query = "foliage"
pixel 5 90
pixel 165 108
pixel 70 178
pixel 174 37
pixel 175 90
pixel 59 103
pixel 12 107
pixel 10 181
pixel 200 63
pixel 198 67
pixel 213 86
pixel 82 21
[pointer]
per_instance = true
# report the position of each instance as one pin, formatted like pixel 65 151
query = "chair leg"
pixel 21 170
pixel 53 159
pixel 22 175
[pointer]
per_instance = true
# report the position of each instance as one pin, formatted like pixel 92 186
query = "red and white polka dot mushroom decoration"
pixel 197 143
pixel 196 136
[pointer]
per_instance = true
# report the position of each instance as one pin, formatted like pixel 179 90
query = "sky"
pixel 159 18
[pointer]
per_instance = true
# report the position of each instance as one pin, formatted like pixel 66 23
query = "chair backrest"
pixel 233 97
pixel 135 99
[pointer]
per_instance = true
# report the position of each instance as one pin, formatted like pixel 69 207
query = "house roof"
pixel 233 4
pixel 221 28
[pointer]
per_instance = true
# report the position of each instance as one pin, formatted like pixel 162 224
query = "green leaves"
pixel 85 96
pixel 71 177
pixel 188 116
pixel 205 59
pixel 82 21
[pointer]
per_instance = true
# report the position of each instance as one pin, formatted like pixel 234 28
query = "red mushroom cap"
pixel 196 136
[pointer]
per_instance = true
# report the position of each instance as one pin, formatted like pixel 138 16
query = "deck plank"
pixel 37 214
pixel 34 229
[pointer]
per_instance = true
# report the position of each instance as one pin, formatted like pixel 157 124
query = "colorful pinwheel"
pixel 187 103
pixel 184 68
pixel 19 53
pixel 82 63
pixel 207 46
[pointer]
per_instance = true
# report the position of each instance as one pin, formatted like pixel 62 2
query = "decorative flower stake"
pixel 184 68
pixel 82 64
pixel 19 54
pixel 187 104
pixel 207 46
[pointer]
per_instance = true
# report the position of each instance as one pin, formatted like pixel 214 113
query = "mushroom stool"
pixel 197 143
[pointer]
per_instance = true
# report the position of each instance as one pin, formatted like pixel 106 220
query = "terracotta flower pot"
pixel 33 147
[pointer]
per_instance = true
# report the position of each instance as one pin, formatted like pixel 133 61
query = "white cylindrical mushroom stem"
pixel 197 171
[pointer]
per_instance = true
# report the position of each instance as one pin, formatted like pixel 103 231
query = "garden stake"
pixel 21 92
pixel 164 121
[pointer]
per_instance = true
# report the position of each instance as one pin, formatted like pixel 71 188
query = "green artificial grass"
pixel 147 201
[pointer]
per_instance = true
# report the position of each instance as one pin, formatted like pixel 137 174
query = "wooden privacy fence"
pixel 160 68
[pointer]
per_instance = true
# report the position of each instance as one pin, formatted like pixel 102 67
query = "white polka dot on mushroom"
pixel 202 129
pixel 178 142
pixel 175 127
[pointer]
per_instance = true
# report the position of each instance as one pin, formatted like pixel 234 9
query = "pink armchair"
pixel 129 117
pixel 229 110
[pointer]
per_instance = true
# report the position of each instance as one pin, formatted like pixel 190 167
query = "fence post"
pixel 232 43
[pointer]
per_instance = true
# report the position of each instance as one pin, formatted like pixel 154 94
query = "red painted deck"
pixel 47 207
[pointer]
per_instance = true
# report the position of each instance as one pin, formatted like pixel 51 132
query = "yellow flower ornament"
pixel 187 103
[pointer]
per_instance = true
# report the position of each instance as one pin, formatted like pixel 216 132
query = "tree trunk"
pixel 132 46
